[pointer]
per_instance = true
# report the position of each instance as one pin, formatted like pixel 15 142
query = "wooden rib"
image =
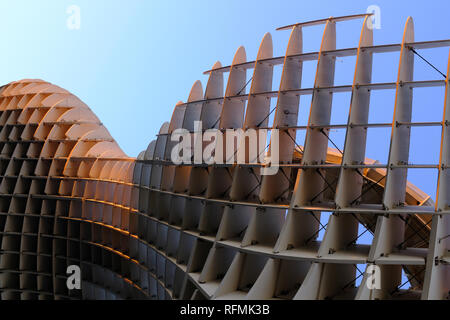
pixel 390 229
pixel 298 227
pixel 437 276
pixel 256 114
pixel 286 114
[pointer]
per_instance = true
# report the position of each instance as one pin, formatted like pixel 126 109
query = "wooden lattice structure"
pixel 147 228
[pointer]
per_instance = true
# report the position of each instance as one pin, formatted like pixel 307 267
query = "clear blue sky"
pixel 132 60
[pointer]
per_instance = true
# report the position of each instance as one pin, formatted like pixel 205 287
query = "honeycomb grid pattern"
pixel 54 150
pixel 149 229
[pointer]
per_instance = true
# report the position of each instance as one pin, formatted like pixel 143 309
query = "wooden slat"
pixel 323 21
